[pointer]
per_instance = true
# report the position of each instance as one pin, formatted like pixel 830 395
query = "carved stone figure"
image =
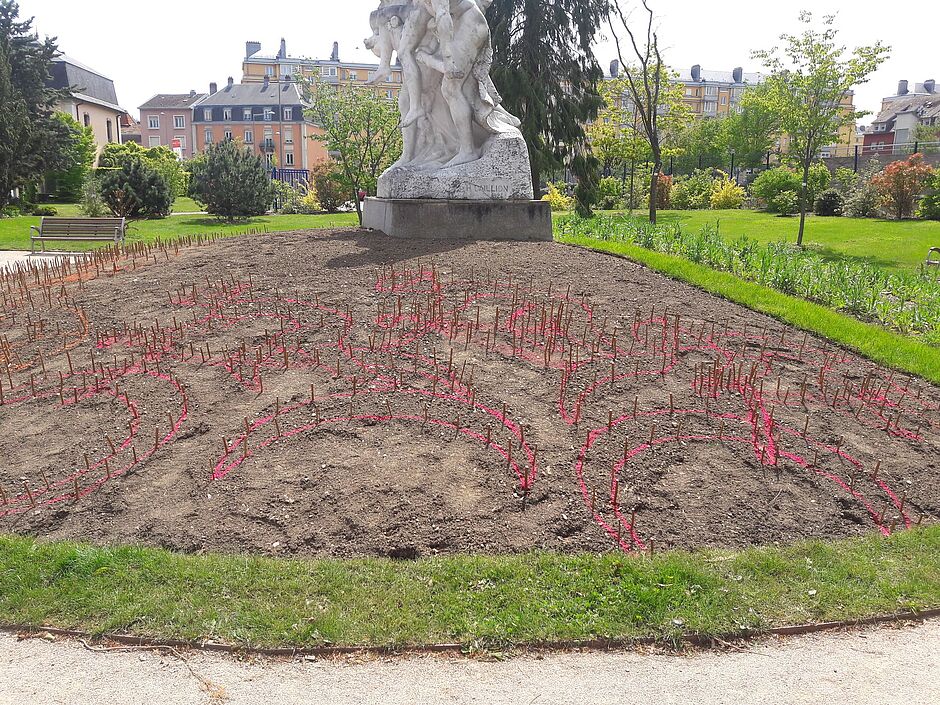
pixel 459 142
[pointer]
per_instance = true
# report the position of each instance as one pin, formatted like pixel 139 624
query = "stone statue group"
pixel 452 115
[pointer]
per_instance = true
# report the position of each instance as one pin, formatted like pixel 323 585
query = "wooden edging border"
pixel 694 640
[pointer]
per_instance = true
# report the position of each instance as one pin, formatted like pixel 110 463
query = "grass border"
pixel 487 602
pixel 871 341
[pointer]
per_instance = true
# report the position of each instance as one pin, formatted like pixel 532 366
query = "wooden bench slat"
pixel 78 230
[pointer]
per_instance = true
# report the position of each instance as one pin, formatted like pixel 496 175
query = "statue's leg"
pixel 445 32
pixel 412 34
pixel 462 114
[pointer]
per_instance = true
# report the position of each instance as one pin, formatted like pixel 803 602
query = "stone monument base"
pixel 459 220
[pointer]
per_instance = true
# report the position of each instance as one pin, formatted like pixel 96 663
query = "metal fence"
pixel 297 178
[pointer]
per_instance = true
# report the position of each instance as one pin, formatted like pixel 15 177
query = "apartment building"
pixel 258 67
pixel 268 116
pixel 91 99
pixel 901 114
pixel 166 120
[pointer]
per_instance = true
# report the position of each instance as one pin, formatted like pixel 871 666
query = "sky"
pixel 173 46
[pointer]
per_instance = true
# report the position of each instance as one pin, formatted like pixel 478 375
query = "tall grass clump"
pixel 907 302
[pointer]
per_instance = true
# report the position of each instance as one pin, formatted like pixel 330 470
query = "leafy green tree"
pixel 135 190
pixel 701 144
pixel 30 135
pixel 162 159
pixel 752 132
pixel 656 97
pixel 546 71
pixel 231 182
pixel 360 131
pixel 78 153
pixel 807 88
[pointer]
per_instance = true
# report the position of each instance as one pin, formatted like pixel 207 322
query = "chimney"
pixel 213 88
pixel 738 75
pixel 267 82
pixel 192 94
pixel 697 72
pixel 334 56
pixel 614 68
pixel 252 48
pixel 282 54
pixel 903 88
pixel 930 86
pixel 231 82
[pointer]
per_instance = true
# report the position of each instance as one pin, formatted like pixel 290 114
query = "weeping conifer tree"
pixel 546 71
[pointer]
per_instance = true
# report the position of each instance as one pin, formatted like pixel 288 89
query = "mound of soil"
pixel 344 394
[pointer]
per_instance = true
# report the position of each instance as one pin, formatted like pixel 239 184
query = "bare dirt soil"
pixel 344 394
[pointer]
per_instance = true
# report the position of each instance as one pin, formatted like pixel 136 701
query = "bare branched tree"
pixel 646 76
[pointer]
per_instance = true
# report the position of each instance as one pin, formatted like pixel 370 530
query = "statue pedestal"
pixel 427 219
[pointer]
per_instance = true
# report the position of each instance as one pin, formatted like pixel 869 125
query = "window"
pixel 689 92
pixel 228 134
pixel 227 114
pixel 179 122
pixel 182 140
pixel 86 119
pixel 288 136
pixel 154 141
pixel 153 122
pixel 289 159
pixel 288 113
pixel 711 90
pixel 110 132
pixel 268 115
pixel 328 71
pixel 207 114
pixel 268 70
pixel 249 136
pixel 724 100
pixel 208 136
pixel 246 114
pixel 390 94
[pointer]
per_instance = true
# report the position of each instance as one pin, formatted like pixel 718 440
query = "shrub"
pixel 784 203
pixel 558 200
pixel 819 179
pixel 830 203
pixel 609 193
pixel 295 201
pixel 863 202
pixel 664 192
pixel 161 159
pixel 231 182
pixel 846 180
pixel 694 192
pixel 930 203
pixel 727 196
pixel 770 184
pixel 330 191
pixel 136 190
pixel 45 211
pixel 901 183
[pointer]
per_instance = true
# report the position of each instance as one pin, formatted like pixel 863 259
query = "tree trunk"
pixel 358 205
pixel 654 187
pixel 803 204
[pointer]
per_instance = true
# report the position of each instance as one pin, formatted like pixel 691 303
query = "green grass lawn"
pixel 474 600
pixel 886 243
pixel 14 232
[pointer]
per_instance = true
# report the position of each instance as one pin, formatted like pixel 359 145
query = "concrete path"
pixel 13 257
pixel 877 667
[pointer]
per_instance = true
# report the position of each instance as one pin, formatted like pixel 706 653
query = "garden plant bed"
pixel 342 394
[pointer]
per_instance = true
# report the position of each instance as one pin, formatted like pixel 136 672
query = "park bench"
pixel 77 230
pixel 933 257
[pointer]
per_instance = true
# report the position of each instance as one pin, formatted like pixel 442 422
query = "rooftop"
pixel 83 82
pixel 240 94
pixel 173 100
